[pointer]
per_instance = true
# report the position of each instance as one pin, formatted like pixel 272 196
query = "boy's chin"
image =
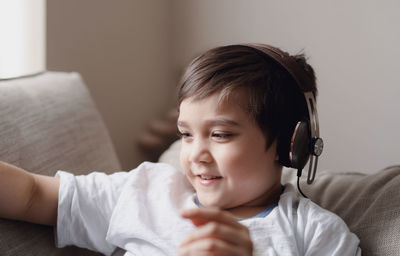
pixel 209 202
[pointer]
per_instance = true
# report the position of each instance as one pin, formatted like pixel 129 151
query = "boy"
pixel 236 110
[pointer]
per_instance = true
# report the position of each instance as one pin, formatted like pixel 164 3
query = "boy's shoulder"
pixel 291 201
pixel 317 228
pixel 156 174
pixel 310 218
pixel 153 168
pixel 298 226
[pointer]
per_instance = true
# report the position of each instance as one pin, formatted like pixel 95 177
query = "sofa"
pixel 49 122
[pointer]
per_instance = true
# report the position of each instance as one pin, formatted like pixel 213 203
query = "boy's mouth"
pixel 208 180
pixel 209 177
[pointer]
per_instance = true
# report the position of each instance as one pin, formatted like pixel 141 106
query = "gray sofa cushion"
pixel 49 122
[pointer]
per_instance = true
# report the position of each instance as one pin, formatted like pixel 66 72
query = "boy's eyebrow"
pixel 213 122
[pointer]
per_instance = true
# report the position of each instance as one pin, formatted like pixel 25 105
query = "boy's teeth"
pixel 207 177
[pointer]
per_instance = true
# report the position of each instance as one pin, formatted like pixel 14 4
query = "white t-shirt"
pixel 138 211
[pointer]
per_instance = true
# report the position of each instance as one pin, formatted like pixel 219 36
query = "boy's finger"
pixel 207 246
pixel 201 216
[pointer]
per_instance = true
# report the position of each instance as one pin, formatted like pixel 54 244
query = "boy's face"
pixel 224 154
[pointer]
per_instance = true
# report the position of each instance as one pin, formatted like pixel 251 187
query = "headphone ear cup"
pixel 283 145
pixel 299 151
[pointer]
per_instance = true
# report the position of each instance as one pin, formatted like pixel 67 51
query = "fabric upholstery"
pixel 368 203
pixel 49 122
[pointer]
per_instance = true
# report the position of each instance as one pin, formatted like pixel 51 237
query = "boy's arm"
pixel 28 197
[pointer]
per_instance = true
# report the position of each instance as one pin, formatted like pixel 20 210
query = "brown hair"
pixel 274 100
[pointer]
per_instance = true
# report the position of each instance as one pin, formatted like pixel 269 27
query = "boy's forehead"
pixel 217 109
pixel 221 100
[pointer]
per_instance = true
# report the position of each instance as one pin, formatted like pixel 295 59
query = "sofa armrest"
pixel 49 122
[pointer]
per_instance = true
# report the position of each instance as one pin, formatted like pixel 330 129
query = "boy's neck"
pixel 250 210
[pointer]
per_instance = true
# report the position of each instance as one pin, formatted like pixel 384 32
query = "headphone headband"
pixel 303 81
pixel 288 63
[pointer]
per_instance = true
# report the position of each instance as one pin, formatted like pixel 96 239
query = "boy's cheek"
pixel 182 157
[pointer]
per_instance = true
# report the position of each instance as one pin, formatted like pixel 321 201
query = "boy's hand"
pixel 218 233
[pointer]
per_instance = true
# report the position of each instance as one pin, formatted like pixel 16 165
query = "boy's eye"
pixel 222 135
pixel 183 134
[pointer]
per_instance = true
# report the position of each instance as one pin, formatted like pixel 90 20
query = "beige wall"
pixel 353 46
pixel 131 53
pixel 122 50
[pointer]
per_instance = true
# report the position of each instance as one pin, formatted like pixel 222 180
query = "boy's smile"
pixel 224 156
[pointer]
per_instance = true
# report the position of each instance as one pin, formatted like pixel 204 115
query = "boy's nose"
pixel 200 152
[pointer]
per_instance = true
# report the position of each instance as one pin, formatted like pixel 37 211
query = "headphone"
pixel 305 142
